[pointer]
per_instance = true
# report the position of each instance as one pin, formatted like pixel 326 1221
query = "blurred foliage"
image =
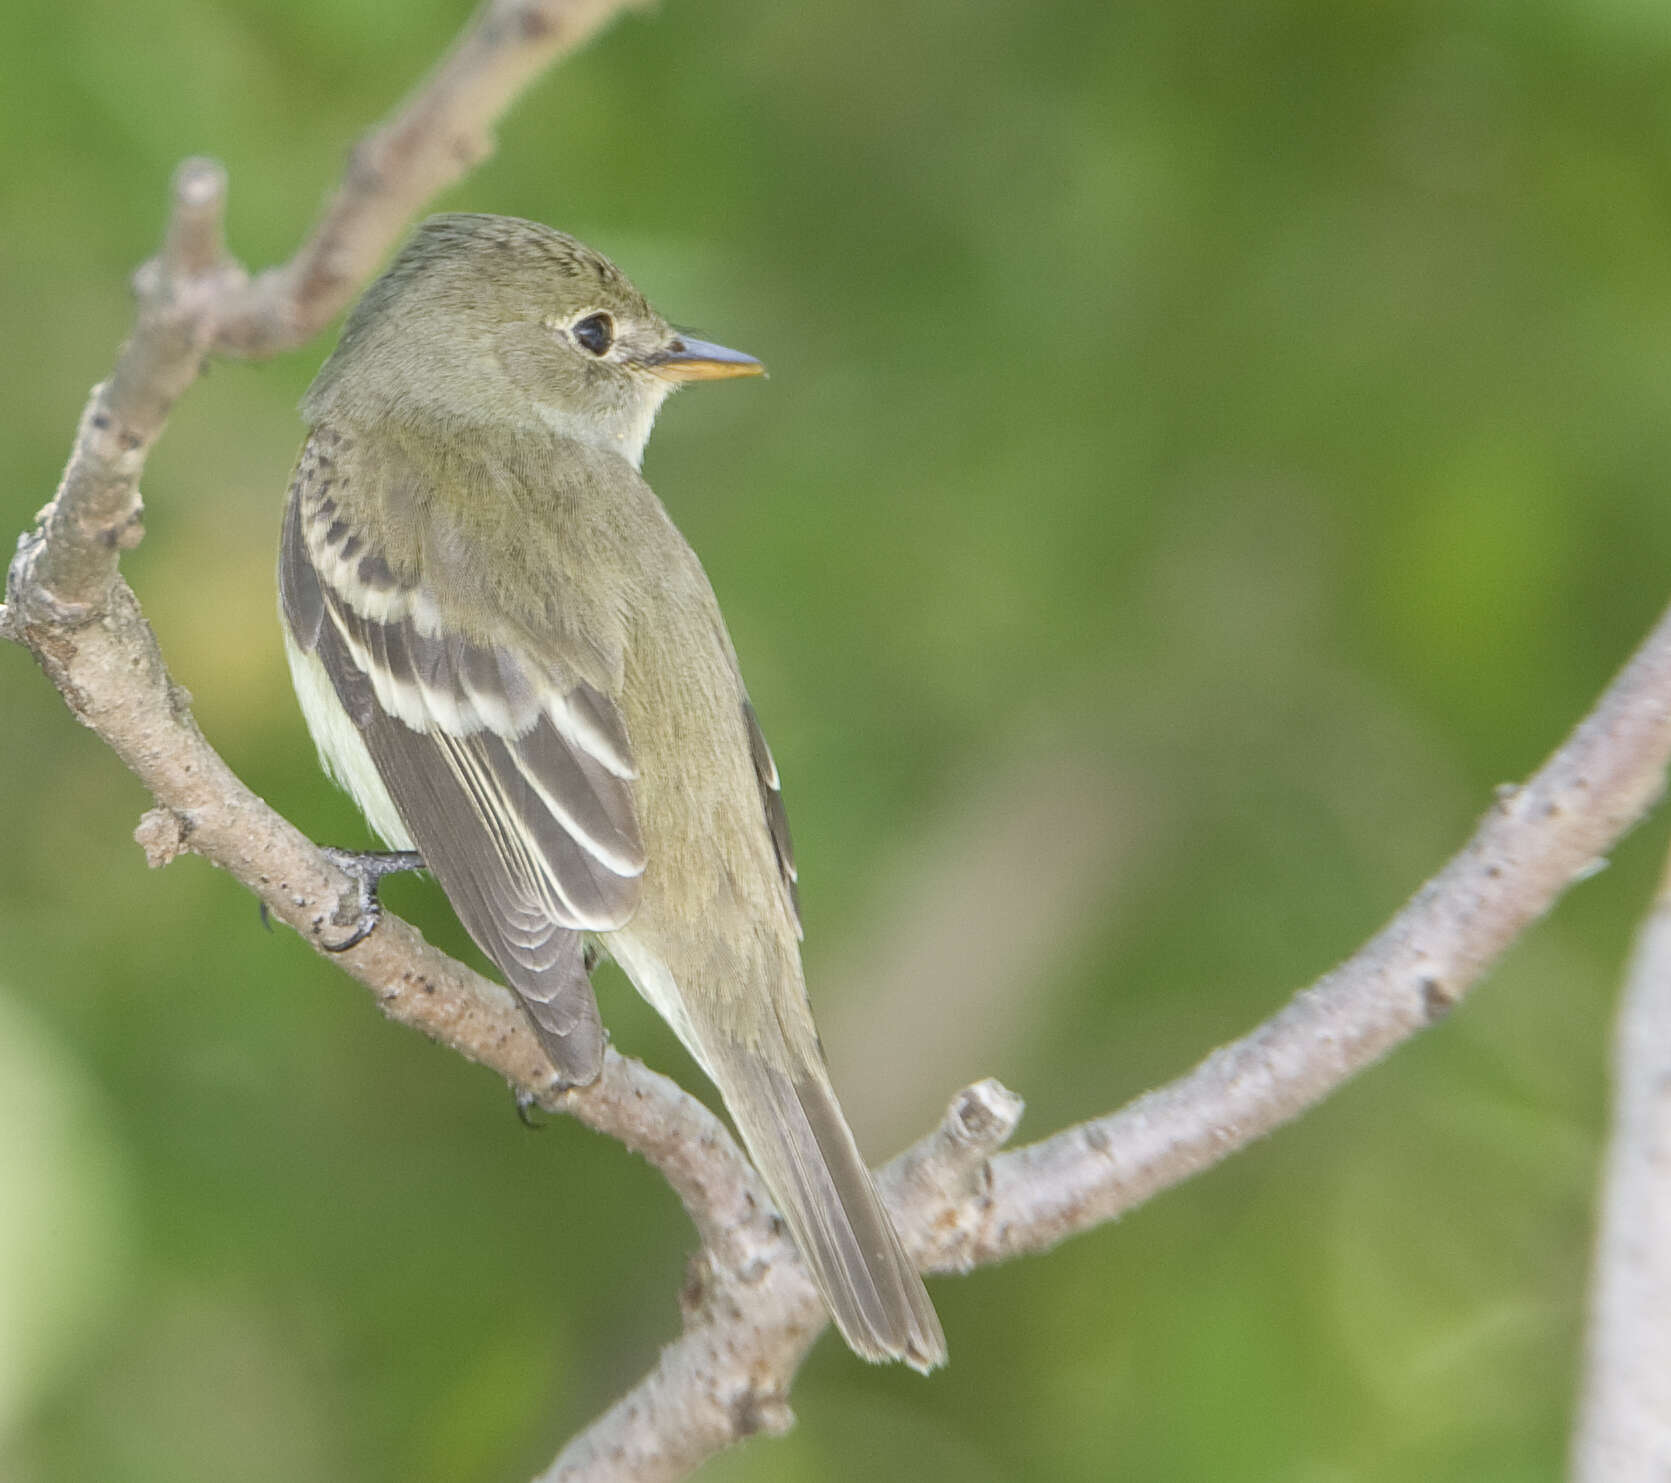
pixel 1268 400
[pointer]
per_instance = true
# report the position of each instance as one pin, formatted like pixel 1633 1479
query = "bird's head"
pixel 488 318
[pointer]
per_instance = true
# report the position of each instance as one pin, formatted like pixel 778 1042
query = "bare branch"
pixel 113 678
pixel 112 675
pixel 728 1376
pixel 62 572
pixel 1538 840
pixel 196 243
pixel 958 1210
pixel 949 1167
pixel 1624 1426
pixel 441 133
pixel 751 1313
pixel 193 298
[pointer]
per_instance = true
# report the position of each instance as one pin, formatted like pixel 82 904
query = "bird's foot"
pixel 527 1105
pixel 367 869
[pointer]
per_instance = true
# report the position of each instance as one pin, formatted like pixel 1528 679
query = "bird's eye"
pixel 596 333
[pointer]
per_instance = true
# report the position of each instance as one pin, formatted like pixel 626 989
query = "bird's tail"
pixel 801 1144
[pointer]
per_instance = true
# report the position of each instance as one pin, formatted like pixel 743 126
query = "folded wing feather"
pixel 516 788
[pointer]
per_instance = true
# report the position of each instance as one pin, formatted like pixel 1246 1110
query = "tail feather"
pixel 800 1142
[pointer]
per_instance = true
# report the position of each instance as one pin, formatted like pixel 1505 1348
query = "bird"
pixel 514 663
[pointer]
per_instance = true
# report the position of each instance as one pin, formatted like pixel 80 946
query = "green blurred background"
pixel 1208 446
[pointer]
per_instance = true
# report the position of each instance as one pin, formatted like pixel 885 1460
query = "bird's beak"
pixel 686 359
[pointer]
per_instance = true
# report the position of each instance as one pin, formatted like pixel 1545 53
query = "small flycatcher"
pixel 515 664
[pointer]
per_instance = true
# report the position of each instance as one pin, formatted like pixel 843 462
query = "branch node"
pixel 950 1164
pixel 30 601
pixel 760 1413
pixel 1438 999
pixel 983 1117
pixel 128 534
pixel 162 834
pixel 533 23
pixel 195 246
pixel 363 173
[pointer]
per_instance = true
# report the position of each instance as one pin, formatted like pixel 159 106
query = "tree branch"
pixel 1536 841
pixel 958 1208
pixel 436 137
pixel 62 572
pixel 112 676
pixel 194 298
pixel 66 603
pixel 751 1313
pixel 728 1376
pixel 1624 1423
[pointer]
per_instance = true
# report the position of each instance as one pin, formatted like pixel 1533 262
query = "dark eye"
pixel 596 332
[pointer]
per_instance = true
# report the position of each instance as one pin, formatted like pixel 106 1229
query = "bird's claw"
pixel 526 1106
pixel 367 868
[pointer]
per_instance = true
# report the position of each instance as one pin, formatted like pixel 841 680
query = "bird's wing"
pixel 514 781
pixel 777 817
